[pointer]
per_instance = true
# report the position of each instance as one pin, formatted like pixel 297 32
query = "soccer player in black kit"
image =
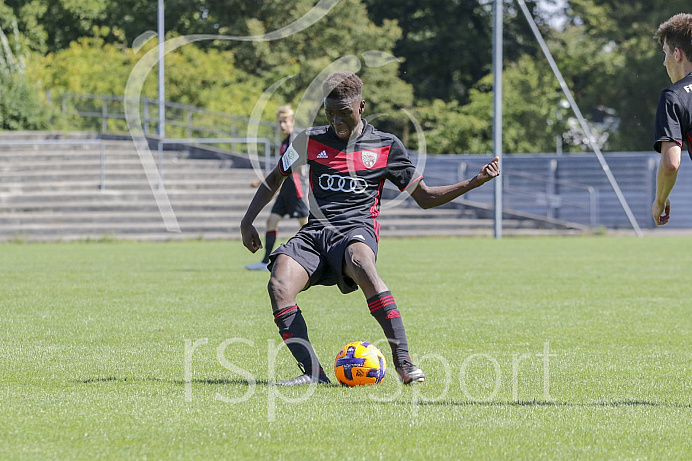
pixel 674 112
pixel 349 162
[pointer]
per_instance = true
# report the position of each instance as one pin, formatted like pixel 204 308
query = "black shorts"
pixel 288 203
pixel 320 250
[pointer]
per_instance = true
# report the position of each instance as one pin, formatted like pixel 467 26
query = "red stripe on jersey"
pixel 375 208
pixel 343 162
pixel 298 184
pixel 412 182
pixel 375 211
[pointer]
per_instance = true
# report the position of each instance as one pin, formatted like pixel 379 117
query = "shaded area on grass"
pixel 545 403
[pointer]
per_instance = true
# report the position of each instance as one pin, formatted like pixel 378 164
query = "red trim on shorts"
pixel 376 228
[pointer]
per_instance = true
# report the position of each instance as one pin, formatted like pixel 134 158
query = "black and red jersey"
pixel 346 180
pixel 674 114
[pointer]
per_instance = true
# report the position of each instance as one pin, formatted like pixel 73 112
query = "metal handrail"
pixel 105 115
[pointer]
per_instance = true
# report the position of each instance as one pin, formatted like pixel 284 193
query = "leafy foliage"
pixel 202 78
pixel 231 76
pixel 20 106
pixel 603 48
pixel 531 98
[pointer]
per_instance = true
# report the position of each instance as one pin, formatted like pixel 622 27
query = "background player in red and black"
pixel 349 162
pixel 674 113
pixel 290 201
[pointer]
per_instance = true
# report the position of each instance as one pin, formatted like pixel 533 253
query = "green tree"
pixel 530 122
pixel 614 62
pixel 75 32
pixel 20 106
pixel 203 78
pixel 447 45
pixel 346 30
pixel 53 24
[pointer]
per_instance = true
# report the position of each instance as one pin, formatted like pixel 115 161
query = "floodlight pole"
pixel 162 88
pixel 497 110
pixel 162 92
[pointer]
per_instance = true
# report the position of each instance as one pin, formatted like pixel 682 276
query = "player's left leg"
pixel 288 278
pixel 359 264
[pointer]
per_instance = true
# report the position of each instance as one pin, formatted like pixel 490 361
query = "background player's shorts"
pixel 288 203
pixel 320 250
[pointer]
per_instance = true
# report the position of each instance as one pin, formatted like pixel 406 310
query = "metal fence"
pixel 522 191
pixel 571 187
pixel 182 121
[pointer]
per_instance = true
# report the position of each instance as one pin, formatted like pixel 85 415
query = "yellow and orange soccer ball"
pixel 359 363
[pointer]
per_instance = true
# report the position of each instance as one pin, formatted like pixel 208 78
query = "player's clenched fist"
pixel 251 238
pixel 490 171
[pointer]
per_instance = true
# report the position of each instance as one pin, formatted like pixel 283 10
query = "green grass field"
pixel 551 347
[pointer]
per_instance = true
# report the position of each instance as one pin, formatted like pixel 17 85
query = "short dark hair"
pixel 677 33
pixel 342 85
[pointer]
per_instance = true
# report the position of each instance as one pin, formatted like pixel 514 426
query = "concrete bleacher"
pixel 54 193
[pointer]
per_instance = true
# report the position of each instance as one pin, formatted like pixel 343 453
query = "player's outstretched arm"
pixel 430 197
pixel 264 194
pixel 665 180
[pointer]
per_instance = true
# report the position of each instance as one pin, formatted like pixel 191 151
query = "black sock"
pixel 292 325
pixel 269 241
pixel 383 308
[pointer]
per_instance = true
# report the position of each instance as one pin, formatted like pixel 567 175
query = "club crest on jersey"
pixel 369 158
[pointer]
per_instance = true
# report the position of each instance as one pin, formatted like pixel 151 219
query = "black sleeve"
pixel 295 156
pixel 400 170
pixel 668 120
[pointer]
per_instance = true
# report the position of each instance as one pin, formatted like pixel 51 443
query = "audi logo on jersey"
pixel 336 183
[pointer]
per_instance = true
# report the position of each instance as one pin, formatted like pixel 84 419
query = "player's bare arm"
pixel 667 174
pixel 431 197
pixel 263 196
